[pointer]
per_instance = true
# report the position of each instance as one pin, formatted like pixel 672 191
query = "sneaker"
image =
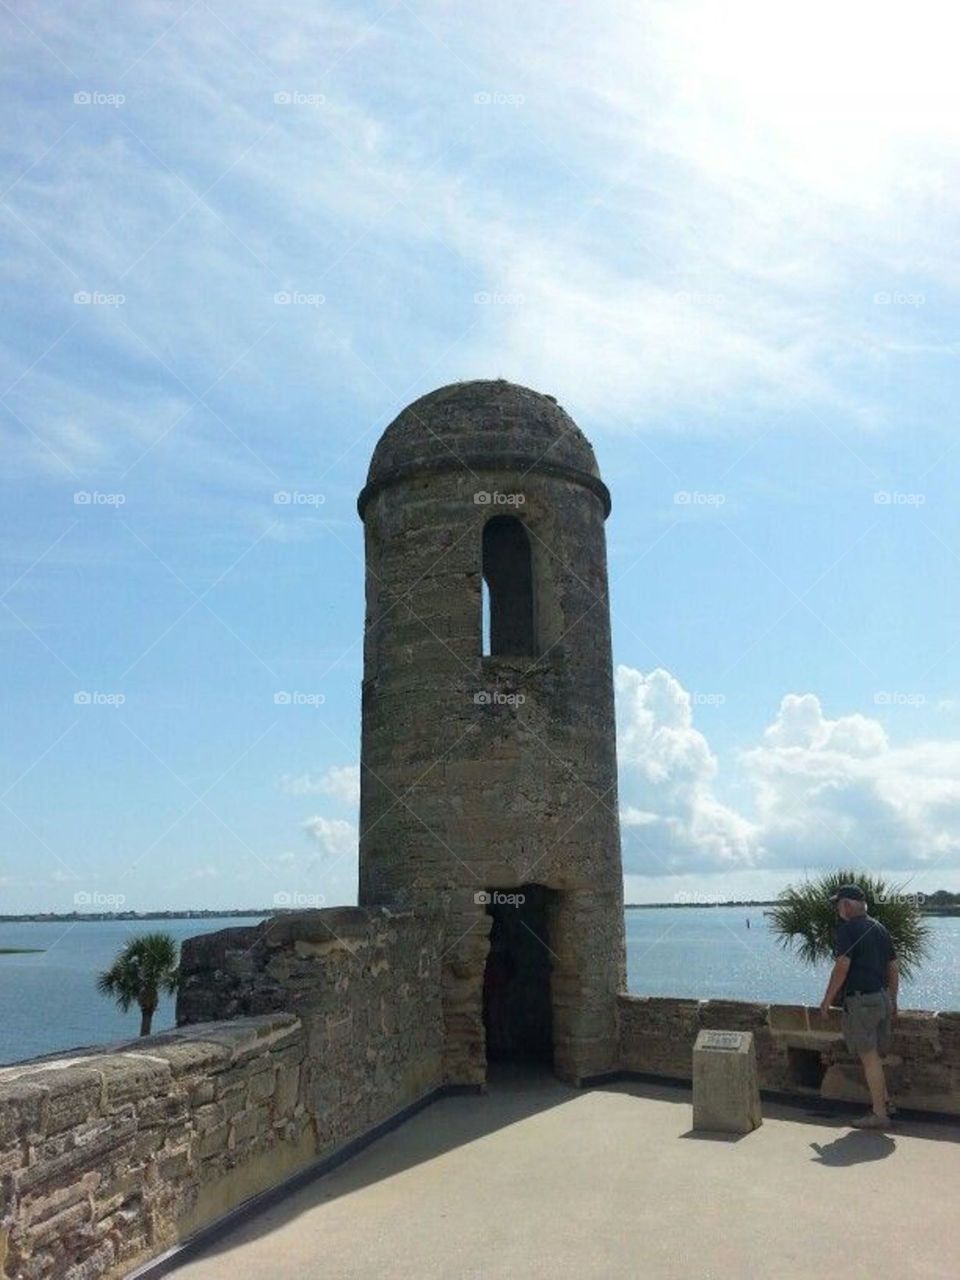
pixel 871 1121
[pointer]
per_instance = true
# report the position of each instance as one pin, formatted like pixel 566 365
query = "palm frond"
pixel 805 919
pixel 144 966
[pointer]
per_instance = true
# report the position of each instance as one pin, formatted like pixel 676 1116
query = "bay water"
pixel 49 1002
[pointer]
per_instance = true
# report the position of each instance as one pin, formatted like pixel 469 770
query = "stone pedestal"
pixel 726 1088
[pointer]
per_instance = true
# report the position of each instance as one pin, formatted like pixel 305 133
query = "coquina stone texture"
pixel 483 773
pixel 108 1157
pixel 797 1051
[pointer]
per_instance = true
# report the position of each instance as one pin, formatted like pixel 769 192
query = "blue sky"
pixel 239 238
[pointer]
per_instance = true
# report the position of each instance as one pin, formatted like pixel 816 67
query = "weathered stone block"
pixel 288 1088
pixel 244 1127
pixel 213 1141
pixel 789 1017
pixel 262 1086
pixel 726 1087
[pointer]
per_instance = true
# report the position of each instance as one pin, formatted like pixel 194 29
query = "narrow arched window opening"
pixel 508 613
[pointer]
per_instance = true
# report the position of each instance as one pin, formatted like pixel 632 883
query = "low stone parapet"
pixel 328 1025
pixel 797 1050
pixel 109 1156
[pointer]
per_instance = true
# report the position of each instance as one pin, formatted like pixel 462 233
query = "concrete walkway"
pixel 539 1180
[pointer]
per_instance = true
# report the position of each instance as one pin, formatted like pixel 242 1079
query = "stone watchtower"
pixel 488 760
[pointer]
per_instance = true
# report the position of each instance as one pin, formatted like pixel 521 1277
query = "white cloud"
pixel 833 791
pixel 774 166
pixel 825 791
pixel 678 823
pixel 340 781
pixel 334 836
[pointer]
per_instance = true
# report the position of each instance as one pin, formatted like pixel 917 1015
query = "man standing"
pixel 864 979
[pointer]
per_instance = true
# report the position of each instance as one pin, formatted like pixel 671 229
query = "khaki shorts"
pixel 867 1022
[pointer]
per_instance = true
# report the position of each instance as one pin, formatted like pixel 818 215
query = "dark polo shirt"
pixel 870 948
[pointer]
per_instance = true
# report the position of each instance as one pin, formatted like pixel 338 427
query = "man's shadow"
pixel 854 1148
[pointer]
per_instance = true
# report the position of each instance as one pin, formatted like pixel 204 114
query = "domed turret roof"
pixel 482 424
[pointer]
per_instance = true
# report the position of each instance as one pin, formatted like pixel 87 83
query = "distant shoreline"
pixel 78 917
pixel 75 917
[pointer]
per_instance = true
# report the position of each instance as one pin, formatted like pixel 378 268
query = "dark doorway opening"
pixel 517 1012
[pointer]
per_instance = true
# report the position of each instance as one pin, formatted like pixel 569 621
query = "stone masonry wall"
pixel 365 983
pixel 795 1046
pixel 109 1156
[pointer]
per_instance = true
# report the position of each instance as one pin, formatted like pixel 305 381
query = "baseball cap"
pixel 849 891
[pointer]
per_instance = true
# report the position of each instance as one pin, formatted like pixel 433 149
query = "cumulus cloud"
pixel 829 791
pixel 334 836
pixel 824 791
pixel 340 781
pixel 674 821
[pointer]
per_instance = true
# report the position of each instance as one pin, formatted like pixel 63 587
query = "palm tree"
pixel 806 919
pixel 146 966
